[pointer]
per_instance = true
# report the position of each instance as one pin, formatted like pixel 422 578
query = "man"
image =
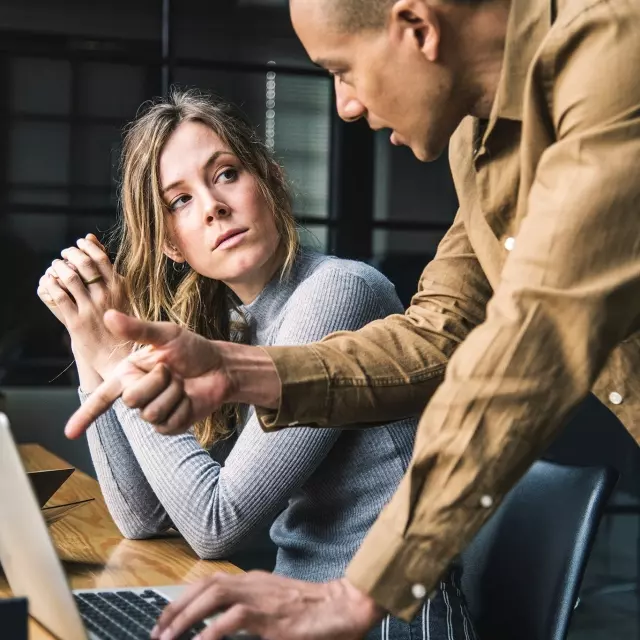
pixel 536 288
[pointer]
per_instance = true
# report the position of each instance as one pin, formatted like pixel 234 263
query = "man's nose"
pixel 349 107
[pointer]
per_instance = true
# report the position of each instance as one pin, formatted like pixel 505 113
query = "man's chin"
pixel 427 153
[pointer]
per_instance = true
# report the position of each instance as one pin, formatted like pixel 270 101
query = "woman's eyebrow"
pixel 207 164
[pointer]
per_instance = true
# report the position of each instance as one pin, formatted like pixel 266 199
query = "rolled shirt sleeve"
pixel 387 370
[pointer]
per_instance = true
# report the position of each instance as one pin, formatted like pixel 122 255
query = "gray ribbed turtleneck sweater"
pixel 324 487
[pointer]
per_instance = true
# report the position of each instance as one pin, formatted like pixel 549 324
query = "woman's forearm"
pixel 87 375
pixel 130 499
pixel 93 370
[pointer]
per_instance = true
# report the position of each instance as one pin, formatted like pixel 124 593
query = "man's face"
pixel 394 77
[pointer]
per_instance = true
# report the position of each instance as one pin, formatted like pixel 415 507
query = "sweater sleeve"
pixel 130 499
pixel 216 507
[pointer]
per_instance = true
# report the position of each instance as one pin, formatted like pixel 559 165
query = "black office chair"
pixel 523 571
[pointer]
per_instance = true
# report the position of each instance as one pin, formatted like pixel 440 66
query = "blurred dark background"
pixel 73 73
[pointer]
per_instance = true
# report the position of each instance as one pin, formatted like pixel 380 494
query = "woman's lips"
pixel 232 241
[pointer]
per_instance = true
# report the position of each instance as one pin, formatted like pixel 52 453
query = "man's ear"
pixel 419 21
pixel 172 252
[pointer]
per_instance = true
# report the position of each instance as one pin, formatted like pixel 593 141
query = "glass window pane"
pixel 243 89
pixel 47 233
pixel 33 196
pixel 402 256
pixel 390 243
pixel 111 90
pixel 39 152
pixel 315 236
pixel 79 225
pixel 40 86
pixel 118 19
pixel 90 198
pixel 298 126
pixel 409 190
pixel 98 148
pixel 251 31
pixel 44 233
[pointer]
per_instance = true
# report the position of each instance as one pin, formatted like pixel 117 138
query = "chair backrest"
pixel 522 572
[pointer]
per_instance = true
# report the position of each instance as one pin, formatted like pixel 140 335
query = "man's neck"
pixel 481 35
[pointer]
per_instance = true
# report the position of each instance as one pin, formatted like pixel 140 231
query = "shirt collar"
pixel 529 22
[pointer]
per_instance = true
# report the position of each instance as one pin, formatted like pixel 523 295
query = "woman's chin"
pixel 243 265
pixel 234 269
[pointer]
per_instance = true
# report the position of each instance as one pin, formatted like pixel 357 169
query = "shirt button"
pixel 615 398
pixel 509 243
pixel 486 501
pixel 418 591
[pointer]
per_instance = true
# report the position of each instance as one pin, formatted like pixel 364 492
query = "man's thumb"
pixel 130 328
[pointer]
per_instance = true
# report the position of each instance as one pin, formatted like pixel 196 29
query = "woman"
pixel 208 241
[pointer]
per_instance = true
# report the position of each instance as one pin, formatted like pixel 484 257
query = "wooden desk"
pixel 93 552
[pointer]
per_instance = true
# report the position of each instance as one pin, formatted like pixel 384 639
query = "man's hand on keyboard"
pixel 271 606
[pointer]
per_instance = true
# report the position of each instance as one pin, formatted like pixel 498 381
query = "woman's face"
pixel 219 221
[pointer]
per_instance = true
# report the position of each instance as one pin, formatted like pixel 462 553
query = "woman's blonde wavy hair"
pixel 152 287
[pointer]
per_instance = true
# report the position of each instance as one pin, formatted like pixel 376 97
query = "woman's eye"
pixel 228 175
pixel 179 202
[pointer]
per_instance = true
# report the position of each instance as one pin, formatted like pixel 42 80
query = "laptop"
pixel 34 571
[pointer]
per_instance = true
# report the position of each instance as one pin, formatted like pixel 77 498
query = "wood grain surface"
pixel 94 553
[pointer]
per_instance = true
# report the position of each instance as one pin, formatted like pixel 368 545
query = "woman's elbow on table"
pixel 136 531
pixel 212 546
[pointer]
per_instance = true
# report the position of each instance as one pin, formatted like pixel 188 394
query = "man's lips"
pixel 228 235
pixel 394 138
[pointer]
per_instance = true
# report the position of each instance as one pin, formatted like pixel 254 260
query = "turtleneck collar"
pixel 266 307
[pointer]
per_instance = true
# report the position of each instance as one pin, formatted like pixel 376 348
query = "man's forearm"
pixel 252 375
pixel 389 369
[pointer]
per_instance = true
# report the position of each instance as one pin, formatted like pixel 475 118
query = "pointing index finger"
pixel 97 403
pixel 130 328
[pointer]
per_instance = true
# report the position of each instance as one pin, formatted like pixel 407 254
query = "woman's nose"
pixel 216 211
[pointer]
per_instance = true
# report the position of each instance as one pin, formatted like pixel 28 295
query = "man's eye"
pixel 341 77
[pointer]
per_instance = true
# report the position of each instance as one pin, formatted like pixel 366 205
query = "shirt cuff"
pixel 304 381
pixel 398 573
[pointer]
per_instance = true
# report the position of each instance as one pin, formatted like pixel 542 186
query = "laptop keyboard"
pixel 124 615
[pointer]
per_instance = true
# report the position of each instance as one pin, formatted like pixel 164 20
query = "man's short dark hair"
pixel 357 15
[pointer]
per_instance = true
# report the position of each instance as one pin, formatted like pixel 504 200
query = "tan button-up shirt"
pixel 532 300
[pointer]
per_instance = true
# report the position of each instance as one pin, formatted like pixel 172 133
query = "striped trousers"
pixel 444 617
